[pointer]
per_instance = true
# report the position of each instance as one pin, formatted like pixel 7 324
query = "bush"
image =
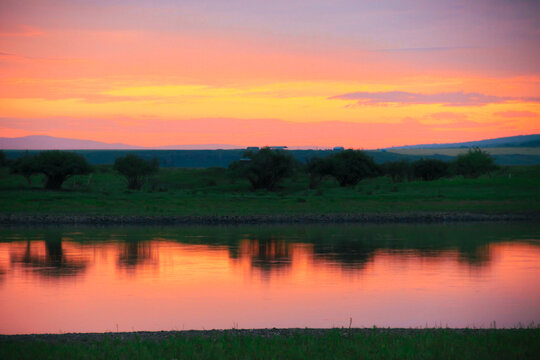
pixel 348 167
pixel 136 170
pixel 3 159
pixel 430 169
pixel 318 169
pixel 264 168
pixel 25 166
pixel 57 166
pixel 474 163
pixel 398 170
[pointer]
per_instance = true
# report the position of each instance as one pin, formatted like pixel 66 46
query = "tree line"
pixel 58 166
pixel 264 169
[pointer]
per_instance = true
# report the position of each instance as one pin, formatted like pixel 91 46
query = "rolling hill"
pixel 511 141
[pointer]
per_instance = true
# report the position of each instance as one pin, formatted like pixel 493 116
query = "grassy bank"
pixel 282 344
pixel 212 192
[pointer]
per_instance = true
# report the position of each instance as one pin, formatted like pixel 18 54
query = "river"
pixel 99 279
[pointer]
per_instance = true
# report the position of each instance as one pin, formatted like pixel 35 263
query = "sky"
pixel 360 74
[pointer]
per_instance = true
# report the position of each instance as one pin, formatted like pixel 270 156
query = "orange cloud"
pixel 115 69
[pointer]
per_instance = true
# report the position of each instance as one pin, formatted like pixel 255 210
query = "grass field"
pixel 456 151
pixel 329 344
pixel 211 191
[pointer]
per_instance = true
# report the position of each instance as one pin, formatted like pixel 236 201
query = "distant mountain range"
pixel 43 142
pixel 511 141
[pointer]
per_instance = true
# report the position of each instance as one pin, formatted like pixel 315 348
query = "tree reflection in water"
pixel 268 250
pixel 54 263
pixel 134 253
pixel 266 254
pixel 349 254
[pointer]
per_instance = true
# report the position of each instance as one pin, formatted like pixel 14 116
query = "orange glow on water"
pixel 161 284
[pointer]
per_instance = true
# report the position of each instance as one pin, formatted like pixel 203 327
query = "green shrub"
pixel 265 168
pixel 57 166
pixel 318 169
pixel 398 170
pixel 24 166
pixel 430 169
pixel 3 159
pixel 474 163
pixel 136 170
pixel 347 167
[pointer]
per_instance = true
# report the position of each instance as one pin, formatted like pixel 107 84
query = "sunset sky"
pixel 362 74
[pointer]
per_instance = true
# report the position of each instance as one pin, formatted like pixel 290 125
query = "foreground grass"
pixel 213 192
pixel 293 344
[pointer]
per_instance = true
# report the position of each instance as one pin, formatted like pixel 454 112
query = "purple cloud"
pixel 422 49
pixel 444 98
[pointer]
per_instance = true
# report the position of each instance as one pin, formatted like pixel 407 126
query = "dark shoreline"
pixel 274 332
pixel 360 218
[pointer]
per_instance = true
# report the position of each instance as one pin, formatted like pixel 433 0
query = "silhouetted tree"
pixel 430 169
pixel 3 159
pixel 264 168
pixel 57 166
pixel 351 166
pixel 474 163
pixel 25 166
pixel 318 169
pixel 398 170
pixel 136 169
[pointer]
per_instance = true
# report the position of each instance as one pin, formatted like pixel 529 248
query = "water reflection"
pixel 44 253
pixel 159 278
pixel 53 262
pixel 266 254
pixel 266 250
pixel 136 253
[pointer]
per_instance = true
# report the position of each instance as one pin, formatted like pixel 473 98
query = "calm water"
pixel 164 278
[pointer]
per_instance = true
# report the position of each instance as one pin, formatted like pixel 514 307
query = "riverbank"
pixel 361 218
pixel 280 343
pixel 192 193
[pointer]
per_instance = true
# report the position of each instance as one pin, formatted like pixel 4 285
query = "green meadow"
pixel 213 191
pixel 294 344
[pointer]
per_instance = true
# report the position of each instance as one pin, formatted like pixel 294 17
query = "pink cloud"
pixel 21 31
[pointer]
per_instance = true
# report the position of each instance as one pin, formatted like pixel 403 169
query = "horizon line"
pixel 215 146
